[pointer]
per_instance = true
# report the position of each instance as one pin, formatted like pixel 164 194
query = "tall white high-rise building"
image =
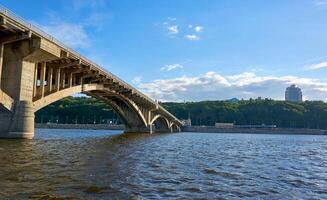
pixel 293 94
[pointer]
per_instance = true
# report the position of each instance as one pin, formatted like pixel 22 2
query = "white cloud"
pixel 170 26
pixel 137 80
pixel 198 29
pixel 317 66
pixel 171 67
pixel 173 29
pixel 192 37
pixel 195 29
pixel 212 86
pixel 72 35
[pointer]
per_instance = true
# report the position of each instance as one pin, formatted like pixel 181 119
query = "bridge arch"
pixel 53 97
pixel 160 124
pixel 128 111
pixel 174 127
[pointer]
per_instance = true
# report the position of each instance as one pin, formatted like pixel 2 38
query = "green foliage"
pixel 309 114
pixel 76 110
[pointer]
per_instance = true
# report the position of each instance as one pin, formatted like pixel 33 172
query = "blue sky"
pixel 195 49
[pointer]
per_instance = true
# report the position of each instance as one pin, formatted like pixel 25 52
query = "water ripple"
pixel 75 164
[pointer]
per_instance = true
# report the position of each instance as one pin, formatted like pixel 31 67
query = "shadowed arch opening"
pixel 160 124
pixel 175 128
pixel 127 110
pixel 79 109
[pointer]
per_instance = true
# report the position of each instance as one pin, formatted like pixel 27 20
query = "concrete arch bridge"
pixel 37 70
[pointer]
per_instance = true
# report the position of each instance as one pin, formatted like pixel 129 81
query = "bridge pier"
pixel 17 83
pixel 150 129
pixel 20 123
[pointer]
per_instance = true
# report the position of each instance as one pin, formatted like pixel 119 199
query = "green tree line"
pixel 308 114
pixel 81 110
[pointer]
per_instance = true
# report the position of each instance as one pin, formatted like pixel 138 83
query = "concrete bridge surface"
pixel 37 70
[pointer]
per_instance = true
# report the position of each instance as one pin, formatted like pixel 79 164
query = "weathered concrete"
pixel 21 122
pixel 17 83
pixel 36 70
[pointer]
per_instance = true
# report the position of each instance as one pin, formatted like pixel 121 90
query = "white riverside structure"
pixel 37 70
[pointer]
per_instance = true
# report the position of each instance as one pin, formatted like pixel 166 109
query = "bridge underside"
pixel 35 72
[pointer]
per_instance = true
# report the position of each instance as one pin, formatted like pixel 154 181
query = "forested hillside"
pixel 309 114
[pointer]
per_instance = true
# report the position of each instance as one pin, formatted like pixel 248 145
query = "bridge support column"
pixel 21 122
pixel 18 83
pixel 1 61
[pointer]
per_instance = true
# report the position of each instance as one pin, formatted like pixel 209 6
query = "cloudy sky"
pixel 195 49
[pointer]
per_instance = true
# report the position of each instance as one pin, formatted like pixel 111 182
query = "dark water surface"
pixel 83 164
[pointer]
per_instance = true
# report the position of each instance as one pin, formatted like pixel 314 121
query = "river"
pixel 84 164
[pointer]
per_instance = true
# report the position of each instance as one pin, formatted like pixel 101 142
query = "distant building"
pixel 293 94
pixel 187 122
pixel 224 125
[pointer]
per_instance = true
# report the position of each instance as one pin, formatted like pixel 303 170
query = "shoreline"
pixel 279 131
pixel 194 129
pixel 81 126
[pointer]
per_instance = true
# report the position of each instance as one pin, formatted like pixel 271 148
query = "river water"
pixel 83 164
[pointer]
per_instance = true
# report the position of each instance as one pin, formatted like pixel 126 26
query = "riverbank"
pixel 199 129
pixel 81 126
pixel 288 131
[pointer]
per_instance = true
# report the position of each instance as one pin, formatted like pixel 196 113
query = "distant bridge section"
pixel 37 70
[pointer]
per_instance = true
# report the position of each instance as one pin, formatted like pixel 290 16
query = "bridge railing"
pixel 38 31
